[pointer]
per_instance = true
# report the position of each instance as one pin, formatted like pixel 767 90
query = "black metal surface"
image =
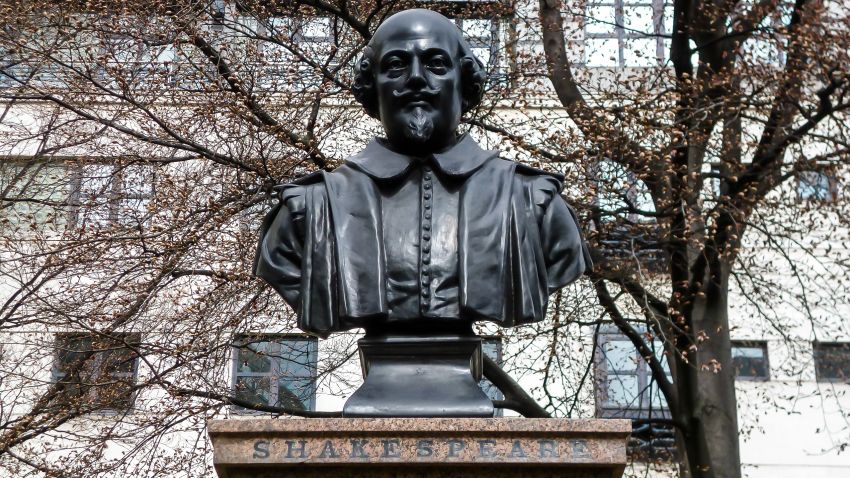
pixel 420 377
pixel 423 232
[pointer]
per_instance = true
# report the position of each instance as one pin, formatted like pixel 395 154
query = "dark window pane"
pixel 71 351
pixel 750 360
pixel 255 390
pixel 254 358
pixel 97 373
pixel 297 358
pixel 832 362
pixel 814 185
pixel 276 370
pixel 119 362
pixel 652 442
pixel 296 393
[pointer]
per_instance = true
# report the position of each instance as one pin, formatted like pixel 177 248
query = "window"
pixel 625 389
pixel 33 196
pixel 96 372
pixel 492 347
pixel 310 38
pixel 750 360
pixel 106 194
pixel 626 32
pixel 483 37
pixel 14 69
pixel 191 70
pixel 620 193
pixel 624 218
pixel 832 362
pixel 314 37
pixel 815 186
pixel 124 57
pixel 277 60
pixel 765 45
pixel 276 370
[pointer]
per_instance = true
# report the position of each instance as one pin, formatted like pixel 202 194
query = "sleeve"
pixel 280 250
pixel 565 251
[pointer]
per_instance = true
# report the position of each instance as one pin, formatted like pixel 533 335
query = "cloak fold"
pixel 321 247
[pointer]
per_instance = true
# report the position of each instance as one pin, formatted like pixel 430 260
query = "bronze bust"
pixel 423 232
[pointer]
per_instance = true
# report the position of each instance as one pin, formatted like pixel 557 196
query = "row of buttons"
pixel 425 267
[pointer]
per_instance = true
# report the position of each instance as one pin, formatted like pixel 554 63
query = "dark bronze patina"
pixel 422 233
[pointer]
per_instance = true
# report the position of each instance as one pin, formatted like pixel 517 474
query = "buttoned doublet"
pixel 386 238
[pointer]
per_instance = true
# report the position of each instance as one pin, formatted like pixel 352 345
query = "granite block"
pixel 433 447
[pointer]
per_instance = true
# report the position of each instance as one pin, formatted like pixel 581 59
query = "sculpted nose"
pixel 417 75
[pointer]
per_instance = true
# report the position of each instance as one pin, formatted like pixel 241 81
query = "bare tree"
pixel 713 135
pixel 142 143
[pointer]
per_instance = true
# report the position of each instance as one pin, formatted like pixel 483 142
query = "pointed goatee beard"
pixel 420 127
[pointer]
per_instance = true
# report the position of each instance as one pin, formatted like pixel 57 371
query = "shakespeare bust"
pixel 423 232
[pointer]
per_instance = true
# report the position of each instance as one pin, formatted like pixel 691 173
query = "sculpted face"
pixel 418 81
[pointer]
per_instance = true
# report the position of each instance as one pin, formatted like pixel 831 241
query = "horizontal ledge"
pixel 409 465
pixel 419 426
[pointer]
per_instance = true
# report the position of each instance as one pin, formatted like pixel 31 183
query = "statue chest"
pixel 419 214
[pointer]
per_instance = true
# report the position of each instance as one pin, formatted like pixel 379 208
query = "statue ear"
pixel 472 81
pixel 364 87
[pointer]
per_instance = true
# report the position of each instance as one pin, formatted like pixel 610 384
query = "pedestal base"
pixel 416 447
pixel 420 377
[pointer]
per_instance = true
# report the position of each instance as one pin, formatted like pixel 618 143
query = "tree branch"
pixel 518 399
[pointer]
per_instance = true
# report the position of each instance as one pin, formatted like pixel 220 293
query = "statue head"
pixel 418 76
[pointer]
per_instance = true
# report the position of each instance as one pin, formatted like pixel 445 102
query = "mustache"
pixel 416 95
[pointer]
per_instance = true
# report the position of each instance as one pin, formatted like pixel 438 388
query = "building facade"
pixel 139 148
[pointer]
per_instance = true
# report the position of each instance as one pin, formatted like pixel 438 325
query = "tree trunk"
pixel 710 444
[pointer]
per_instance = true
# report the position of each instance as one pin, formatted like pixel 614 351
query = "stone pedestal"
pixel 419 447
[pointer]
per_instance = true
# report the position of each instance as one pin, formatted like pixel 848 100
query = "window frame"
pixel 99 361
pixel 622 35
pixel 649 441
pixel 273 389
pixel 760 344
pixel 818 374
pixel 644 380
pixel 490 42
pixel 112 197
pixel 831 187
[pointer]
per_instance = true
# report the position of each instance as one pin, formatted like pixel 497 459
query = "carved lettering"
pixel 423 448
pixel 261 449
pixel 357 448
pixel 328 450
pixel 291 449
pixel 517 451
pixel 580 449
pixel 455 446
pixel 391 448
pixel 548 449
pixel 485 448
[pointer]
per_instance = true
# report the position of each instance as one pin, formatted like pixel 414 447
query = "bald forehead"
pixel 414 25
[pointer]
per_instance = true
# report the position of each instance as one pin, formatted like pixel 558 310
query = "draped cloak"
pixel 321 247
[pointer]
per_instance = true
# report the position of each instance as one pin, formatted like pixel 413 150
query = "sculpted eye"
pixel 438 63
pixel 395 63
